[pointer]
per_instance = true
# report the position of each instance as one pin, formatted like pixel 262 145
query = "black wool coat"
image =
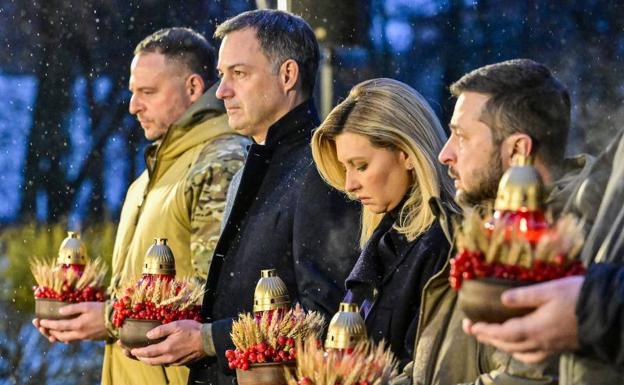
pixel 389 297
pixel 285 217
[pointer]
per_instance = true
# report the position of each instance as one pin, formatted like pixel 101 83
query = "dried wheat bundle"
pixel 564 239
pixel 68 284
pixel 295 323
pixel 367 364
pixel 177 294
pixel 159 299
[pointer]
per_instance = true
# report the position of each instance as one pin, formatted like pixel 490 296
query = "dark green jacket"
pixel 445 355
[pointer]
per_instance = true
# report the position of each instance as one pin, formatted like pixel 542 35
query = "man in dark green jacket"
pixel 502 111
pixel 578 314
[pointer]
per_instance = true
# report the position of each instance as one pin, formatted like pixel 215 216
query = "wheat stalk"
pixel 48 274
pixel 179 294
pixel 565 238
pixel 368 362
pixel 295 323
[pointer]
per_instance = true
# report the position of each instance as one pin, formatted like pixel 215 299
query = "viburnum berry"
pixel 470 265
pixel 70 294
pixel 123 309
pixel 261 347
pixel 260 353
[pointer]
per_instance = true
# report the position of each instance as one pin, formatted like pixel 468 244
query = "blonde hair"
pixel 394 116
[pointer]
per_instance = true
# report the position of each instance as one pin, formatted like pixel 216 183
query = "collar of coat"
pixel 193 127
pixel 297 124
pixel 365 268
pixel 562 193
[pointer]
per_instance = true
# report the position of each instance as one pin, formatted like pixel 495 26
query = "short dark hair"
pixel 282 36
pixel 524 97
pixel 186 46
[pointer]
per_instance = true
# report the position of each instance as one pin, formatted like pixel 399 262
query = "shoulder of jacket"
pixel 140 181
pixel 222 156
pixel 223 148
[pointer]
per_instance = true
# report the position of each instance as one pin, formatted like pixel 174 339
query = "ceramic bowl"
pixel 270 373
pixel 480 300
pixel 46 308
pixel 133 333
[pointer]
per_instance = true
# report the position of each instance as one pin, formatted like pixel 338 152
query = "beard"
pixel 486 182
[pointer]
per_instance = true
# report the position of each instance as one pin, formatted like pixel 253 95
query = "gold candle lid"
pixel 159 259
pixel 346 328
pixel 72 250
pixel 521 187
pixel 271 292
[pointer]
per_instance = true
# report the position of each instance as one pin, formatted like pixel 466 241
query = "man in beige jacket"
pixel 180 196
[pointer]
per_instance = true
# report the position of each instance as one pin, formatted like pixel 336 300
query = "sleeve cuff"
pixel 111 330
pixel 207 342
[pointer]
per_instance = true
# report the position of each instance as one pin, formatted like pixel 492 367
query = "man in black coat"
pixel 282 214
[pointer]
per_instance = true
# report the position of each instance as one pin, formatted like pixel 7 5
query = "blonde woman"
pixel 379 146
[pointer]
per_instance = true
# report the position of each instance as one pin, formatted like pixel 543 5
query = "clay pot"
pixel 133 333
pixel 46 308
pixel 480 300
pixel 271 373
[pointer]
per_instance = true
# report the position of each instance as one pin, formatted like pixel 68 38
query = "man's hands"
pixel 549 329
pixel 87 324
pixel 182 344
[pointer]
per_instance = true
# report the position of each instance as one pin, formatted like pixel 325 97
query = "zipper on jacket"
pixel 151 171
pixel 442 218
pixel 419 329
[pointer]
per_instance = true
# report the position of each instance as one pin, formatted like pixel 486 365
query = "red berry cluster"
pixel 70 294
pixel 262 352
pixel 123 309
pixel 471 264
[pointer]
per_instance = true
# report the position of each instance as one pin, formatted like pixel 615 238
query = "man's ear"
pixel 195 87
pixel 289 75
pixel 514 145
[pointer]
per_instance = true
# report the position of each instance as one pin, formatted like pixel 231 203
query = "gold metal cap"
pixel 271 292
pixel 72 250
pixel 159 259
pixel 521 187
pixel 346 328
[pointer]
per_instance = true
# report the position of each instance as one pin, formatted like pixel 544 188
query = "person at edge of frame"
pixel 580 317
